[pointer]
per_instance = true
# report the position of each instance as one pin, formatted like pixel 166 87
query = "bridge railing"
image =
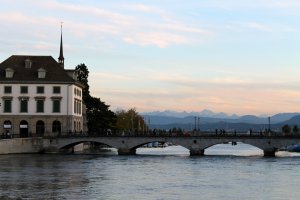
pixel 173 134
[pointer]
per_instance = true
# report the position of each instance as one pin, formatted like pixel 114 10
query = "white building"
pixel 39 97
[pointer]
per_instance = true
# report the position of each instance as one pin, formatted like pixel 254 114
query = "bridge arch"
pixel 148 142
pixel 233 148
pixel 232 143
pixel 70 145
pixel 197 145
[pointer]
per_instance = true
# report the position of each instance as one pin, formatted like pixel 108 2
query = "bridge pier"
pixel 127 151
pixel 269 153
pixel 196 152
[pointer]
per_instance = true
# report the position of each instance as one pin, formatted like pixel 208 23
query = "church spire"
pixel 61 58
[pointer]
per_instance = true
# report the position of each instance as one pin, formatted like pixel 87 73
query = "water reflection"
pixel 147 176
pixel 48 175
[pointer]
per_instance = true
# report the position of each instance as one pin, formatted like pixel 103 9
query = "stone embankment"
pixel 21 145
pixel 35 145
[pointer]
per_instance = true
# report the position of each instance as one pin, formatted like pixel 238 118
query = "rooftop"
pixel 55 72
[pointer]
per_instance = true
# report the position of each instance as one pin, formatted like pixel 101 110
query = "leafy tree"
pixel 295 129
pixel 130 121
pixel 286 129
pixel 99 116
pixel 82 76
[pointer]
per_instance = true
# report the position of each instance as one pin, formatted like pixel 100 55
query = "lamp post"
pixel 148 124
pixel 198 124
pixel 195 123
pixel 132 125
pixel 269 120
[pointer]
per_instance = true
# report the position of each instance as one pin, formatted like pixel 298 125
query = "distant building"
pixel 38 97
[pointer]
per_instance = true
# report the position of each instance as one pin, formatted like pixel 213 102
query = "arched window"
pixel 40 128
pixel 7 124
pixel 56 127
pixel 23 128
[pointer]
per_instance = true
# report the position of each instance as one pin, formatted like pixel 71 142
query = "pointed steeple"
pixel 61 58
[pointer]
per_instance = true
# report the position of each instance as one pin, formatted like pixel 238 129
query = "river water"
pixel 226 172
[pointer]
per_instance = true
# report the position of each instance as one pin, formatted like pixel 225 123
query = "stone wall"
pixel 21 145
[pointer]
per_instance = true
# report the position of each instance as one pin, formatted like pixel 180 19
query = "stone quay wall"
pixel 21 145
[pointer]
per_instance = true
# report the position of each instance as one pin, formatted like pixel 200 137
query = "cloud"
pixel 159 39
pixel 89 25
pixel 231 100
pixel 97 21
pixel 87 11
pixel 100 76
pixel 257 26
pixel 294 4
pixel 148 9
pixel 177 92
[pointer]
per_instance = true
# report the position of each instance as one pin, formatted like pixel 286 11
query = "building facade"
pixel 38 97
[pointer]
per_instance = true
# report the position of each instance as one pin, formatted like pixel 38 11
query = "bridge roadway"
pixel 127 145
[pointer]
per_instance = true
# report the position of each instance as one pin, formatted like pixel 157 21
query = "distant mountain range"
pixel 203 113
pixel 209 120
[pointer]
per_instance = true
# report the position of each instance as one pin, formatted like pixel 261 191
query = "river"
pixel 226 172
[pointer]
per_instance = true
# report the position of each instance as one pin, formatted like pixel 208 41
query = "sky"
pixel 233 56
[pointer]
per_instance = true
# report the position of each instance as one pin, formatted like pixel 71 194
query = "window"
pixel 79 108
pixel 40 106
pixel 41 73
pixel 7 106
pixel 56 127
pixel 24 106
pixel 7 89
pixel 24 89
pixel 56 106
pixel 7 124
pixel 56 90
pixel 28 63
pixel 40 89
pixel 9 73
pixel 40 128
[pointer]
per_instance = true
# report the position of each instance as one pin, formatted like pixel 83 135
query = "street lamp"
pixel 148 124
pixel 269 119
pixel 132 125
pixel 195 123
pixel 198 123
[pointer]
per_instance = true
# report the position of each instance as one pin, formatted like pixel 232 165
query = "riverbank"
pixel 30 145
pixel 21 145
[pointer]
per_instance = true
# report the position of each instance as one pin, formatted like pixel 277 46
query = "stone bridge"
pixel 127 145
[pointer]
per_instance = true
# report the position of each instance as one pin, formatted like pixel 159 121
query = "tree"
pixel 130 121
pixel 295 129
pixel 286 129
pixel 99 116
pixel 82 76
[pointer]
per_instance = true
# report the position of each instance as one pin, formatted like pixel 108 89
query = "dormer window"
pixel 28 63
pixel 9 73
pixel 75 76
pixel 41 73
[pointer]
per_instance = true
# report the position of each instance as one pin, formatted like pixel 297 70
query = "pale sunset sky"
pixel 233 56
